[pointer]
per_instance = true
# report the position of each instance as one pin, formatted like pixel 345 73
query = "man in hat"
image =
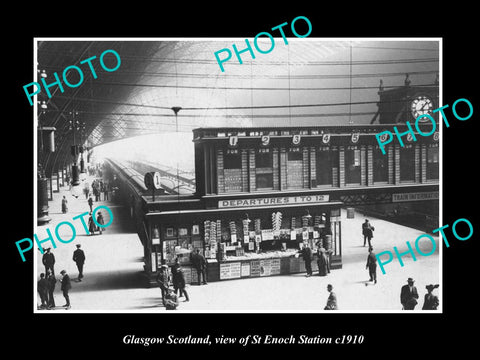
pixel 332 299
pixel 431 301
pixel 409 295
pixel 372 265
pixel 367 231
pixel 200 264
pixel 163 280
pixel 42 290
pixel 79 258
pixel 178 280
pixel 64 205
pixel 48 260
pixel 51 281
pixel 66 286
pixel 100 221
pixel 306 254
pixel 90 203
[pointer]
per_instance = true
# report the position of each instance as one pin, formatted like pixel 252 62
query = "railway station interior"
pixel 247 166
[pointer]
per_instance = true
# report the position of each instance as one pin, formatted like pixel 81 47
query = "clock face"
pixel 421 105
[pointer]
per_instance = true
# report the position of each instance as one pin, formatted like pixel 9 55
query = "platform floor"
pixel 114 264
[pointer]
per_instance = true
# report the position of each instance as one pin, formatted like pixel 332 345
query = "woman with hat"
pixel 64 205
pixel 91 224
pixel 322 262
pixel 431 301
pixel 100 222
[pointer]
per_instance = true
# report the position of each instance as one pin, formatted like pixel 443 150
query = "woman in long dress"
pixel 322 262
pixel 431 301
pixel 100 221
pixel 91 225
pixel 64 205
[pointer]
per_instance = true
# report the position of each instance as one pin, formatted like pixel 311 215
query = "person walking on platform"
pixel 163 280
pixel 322 262
pixel 96 192
pixel 91 224
pixel 79 258
pixel 90 202
pixel 431 301
pixel 64 205
pixel 372 265
pixel 51 281
pixel 178 280
pixel 332 299
pixel 367 231
pixel 200 264
pixel 409 295
pixel 42 288
pixel 66 286
pixel 105 190
pixel 100 221
pixel 306 254
pixel 48 260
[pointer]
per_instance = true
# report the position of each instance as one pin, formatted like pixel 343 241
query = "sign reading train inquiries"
pixel 415 196
pixel 267 201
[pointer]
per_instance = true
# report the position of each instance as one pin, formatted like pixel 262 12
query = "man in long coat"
pixel 306 254
pixel 367 231
pixel 79 258
pixel 332 299
pixel 163 280
pixel 409 295
pixel 51 281
pixel 372 265
pixel 42 290
pixel 48 259
pixel 66 286
pixel 200 264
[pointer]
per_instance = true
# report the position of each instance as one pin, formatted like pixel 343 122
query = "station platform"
pixel 114 263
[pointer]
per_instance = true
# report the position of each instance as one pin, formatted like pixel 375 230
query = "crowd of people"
pixel 97 188
pixel 409 294
pixel 47 283
pixel 172 281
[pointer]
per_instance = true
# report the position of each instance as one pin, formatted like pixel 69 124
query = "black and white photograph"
pixel 282 173
pixel 289 181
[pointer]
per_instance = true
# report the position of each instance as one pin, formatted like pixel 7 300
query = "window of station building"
pixel 295 168
pixel 380 166
pixel 432 163
pixel 324 165
pixel 264 169
pixel 232 170
pixel 407 163
pixel 352 165
pixel 232 160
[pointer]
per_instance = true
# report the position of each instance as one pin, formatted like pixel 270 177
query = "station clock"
pixel 421 105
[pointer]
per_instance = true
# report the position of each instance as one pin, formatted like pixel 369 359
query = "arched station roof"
pixel 307 82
